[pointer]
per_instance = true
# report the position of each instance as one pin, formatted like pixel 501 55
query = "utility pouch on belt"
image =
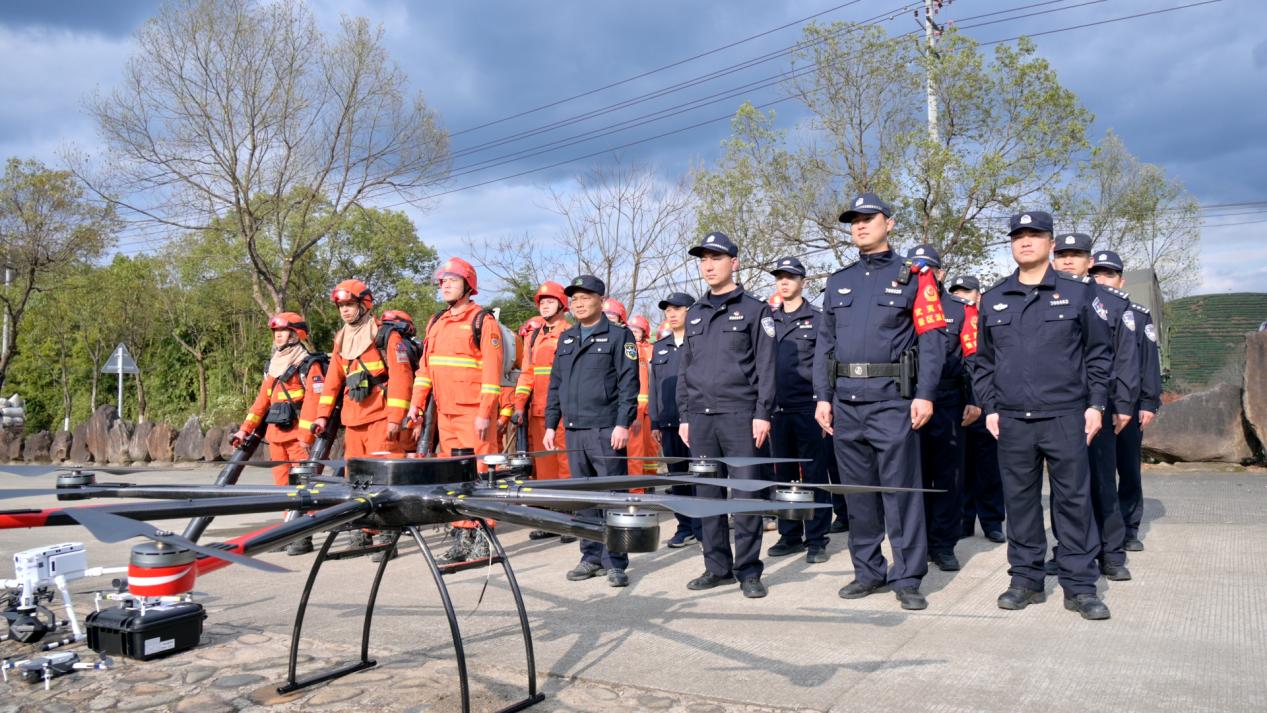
pixel 280 414
pixel 908 370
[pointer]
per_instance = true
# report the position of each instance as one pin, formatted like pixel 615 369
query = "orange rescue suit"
pixel 287 443
pixel 641 442
pixel 464 380
pixel 365 422
pixel 534 383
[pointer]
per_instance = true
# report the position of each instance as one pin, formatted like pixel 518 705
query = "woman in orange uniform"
pixel 641 441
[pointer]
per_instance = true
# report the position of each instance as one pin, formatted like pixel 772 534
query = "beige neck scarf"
pixel 355 338
pixel 286 357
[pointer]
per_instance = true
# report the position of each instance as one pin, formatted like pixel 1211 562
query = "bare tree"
pixel 244 114
pixel 46 226
pixel 628 227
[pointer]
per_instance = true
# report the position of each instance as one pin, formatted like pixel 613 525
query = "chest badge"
pixel 569 340
pixel 697 320
pixel 844 290
pixel 1000 307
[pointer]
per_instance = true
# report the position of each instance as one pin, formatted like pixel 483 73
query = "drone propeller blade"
pixel 752 485
pixel 537 454
pixel 535 518
pixel 605 482
pixel 296 500
pixel 38 470
pixel 109 527
pixel 732 461
pixel 690 506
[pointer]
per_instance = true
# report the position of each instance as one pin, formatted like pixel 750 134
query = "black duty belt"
pixel 867 371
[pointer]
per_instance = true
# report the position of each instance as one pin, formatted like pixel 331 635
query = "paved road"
pixel 1189 633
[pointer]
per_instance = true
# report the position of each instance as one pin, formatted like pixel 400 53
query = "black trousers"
pixel 1130 483
pixel 587 446
pixel 1059 442
pixel 941 449
pixel 875 445
pixel 1108 513
pixel 671 446
pixel 728 434
pixel 982 489
pixel 798 435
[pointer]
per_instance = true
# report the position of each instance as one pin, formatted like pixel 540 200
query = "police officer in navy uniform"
pixel 1041 373
pixel 982 491
pixel 795 434
pixel 1107 270
pixel 662 377
pixel 868 330
pixel 942 439
pixel 1072 254
pixel 725 400
pixel 594 380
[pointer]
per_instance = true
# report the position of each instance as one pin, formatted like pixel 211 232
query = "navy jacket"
pixel 594 382
pixel 868 318
pixel 1045 350
pixel 662 378
pixel 795 334
pixel 728 358
pixel 1124 389
pixel 954 388
pixel 1149 359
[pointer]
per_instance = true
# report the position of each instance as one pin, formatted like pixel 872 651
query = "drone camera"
pixel 632 531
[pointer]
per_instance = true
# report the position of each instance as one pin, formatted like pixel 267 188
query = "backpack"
pixel 408 337
pixel 510 356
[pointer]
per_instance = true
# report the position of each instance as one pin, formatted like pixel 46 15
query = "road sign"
pixel 120 362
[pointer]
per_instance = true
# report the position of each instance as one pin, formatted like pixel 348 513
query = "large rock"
pixel 98 433
pixel 138 448
pixel 7 439
pixel 188 446
pixel 1254 398
pixel 158 443
pixel 226 446
pixel 60 450
pixel 79 451
pixel 1202 427
pixel 211 444
pixel 36 447
pixel 118 442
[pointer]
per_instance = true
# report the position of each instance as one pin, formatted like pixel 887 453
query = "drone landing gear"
pixel 293 684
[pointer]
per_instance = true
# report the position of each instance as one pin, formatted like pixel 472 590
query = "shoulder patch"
pixel 1128 318
pixel 1100 309
pixel 631 351
pixel 767 326
pixel 1151 332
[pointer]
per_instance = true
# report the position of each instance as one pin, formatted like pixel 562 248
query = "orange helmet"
pixel 402 317
pixel 663 330
pixel 534 323
pixel 461 268
pixel 551 289
pixel 352 290
pixel 774 301
pixel 614 309
pixel 641 323
pixel 292 321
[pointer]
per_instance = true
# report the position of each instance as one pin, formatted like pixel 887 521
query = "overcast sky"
pixel 1183 89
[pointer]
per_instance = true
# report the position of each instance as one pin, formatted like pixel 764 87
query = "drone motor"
pixel 793 495
pixel 703 468
pixel 157 569
pixel 74 480
pixel 632 530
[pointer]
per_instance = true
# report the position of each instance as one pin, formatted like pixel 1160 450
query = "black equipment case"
pixel 159 631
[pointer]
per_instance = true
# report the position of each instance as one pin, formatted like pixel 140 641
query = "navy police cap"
pixel 716 243
pixel 677 299
pixel 790 265
pixel 586 283
pixel 1033 220
pixel 1072 241
pixel 1108 260
pixel 924 253
pixel 965 282
pixel 866 204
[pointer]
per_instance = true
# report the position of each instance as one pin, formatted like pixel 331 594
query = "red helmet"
pixel 774 301
pixel 551 289
pixel 614 309
pixel 461 268
pixel 292 321
pixel 402 317
pixel 663 330
pixel 352 291
pixel 641 323
pixel 535 323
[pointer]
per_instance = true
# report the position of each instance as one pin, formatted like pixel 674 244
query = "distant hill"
pixel 1207 337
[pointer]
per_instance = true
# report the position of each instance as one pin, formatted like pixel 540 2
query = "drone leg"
pixel 369 607
pixel 454 631
pixel 533 696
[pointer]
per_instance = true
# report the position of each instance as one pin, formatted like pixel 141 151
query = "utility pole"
pixel 931 31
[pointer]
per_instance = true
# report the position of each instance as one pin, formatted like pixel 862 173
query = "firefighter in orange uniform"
pixel 465 380
pixel 641 441
pixel 293 373
pixel 375 385
pixel 534 377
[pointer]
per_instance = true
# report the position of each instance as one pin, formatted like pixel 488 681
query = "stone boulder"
pixel 7 439
pixel 1207 426
pixel 188 444
pixel 36 447
pixel 60 450
pixel 98 432
pixel 158 443
pixel 138 448
pixel 118 442
pixel 227 448
pixel 79 451
pixel 1254 397
pixel 211 444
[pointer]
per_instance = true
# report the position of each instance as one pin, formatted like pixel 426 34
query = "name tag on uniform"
pixel 663 351
pixel 1059 303
pixel 844 290
pixel 893 290
pixel 600 340
pixel 734 317
pixel 806 325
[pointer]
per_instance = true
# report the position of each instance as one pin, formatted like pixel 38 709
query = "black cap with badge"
pixel 1107 260
pixel 790 265
pixel 677 299
pixel 965 282
pixel 1033 220
pixel 866 204
pixel 1068 242
pixel 715 243
pixel 924 255
pixel 586 283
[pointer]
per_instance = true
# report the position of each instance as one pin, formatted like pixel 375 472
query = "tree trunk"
pixel 202 386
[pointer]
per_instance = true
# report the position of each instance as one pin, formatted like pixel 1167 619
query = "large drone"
pixel 398 497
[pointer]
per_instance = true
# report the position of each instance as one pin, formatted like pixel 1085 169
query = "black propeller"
pixel 37 470
pixel 732 461
pixel 109 527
